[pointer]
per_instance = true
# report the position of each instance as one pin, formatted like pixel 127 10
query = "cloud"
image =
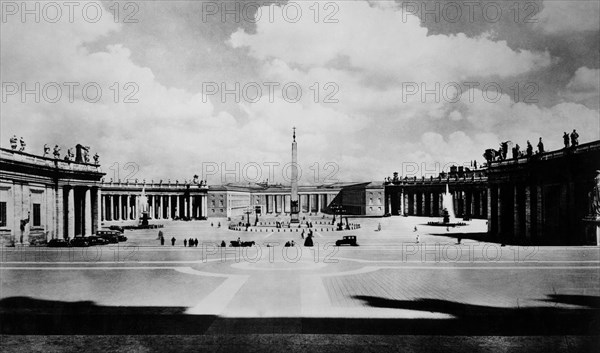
pixel 569 16
pixel 584 87
pixel 366 130
pixel 387 43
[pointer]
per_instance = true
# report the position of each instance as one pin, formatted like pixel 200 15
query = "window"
pixel 37 215
pixel 2 214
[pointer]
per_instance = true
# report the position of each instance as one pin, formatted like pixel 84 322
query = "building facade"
pixel 543 199
pixel 43 198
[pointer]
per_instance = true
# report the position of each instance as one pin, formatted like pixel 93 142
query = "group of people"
pixel 191 242
pixel 572 139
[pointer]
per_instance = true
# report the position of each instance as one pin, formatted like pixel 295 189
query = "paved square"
pixel 389 284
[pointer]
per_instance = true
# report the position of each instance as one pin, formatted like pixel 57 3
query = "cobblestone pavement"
pixel 390 285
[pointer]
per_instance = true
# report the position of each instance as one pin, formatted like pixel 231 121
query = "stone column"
pixel 205 206
pixel 87 207
pixel 431 204
pixel 71 213
pixel 178 205
pixel 188 207
pixel 109 208
pixel 169 207
pixel 156 207
pixel 118 207
pixel 539 217
pixel 98 210
pixel 516 213
pixel 60 213
pixel 500 210
pixel 490 208
pixel 528 212
pixel 401 202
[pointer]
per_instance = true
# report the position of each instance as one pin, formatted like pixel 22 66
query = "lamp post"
pixel 248 212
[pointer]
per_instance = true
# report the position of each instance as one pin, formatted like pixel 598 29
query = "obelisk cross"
pixel 294 128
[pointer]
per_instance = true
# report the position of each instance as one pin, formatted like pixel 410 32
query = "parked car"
pixel 79 242
pixel 58 243
pixel 347 240
pixel 121 237
pixel 112 236
pixel 117 228
pixel 96 240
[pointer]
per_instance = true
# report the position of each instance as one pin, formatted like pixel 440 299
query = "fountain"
pixel 448 215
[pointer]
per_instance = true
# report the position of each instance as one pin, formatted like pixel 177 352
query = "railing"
pixel 152 185
pixel 47 161
pixel 590 146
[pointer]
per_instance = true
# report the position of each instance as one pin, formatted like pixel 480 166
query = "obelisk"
pixel 294 209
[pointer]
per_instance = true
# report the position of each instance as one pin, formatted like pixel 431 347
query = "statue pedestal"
pixel 144 222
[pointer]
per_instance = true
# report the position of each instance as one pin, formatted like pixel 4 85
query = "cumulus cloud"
pixel 367 128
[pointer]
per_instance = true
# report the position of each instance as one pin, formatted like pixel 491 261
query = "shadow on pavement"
pixel 473 319
pixel 24 315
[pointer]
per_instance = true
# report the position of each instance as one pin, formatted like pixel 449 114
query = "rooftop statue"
pixel 13 142
pixel 46 149
pixel 56 152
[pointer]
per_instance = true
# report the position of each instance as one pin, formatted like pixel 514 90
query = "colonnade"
pixel 123 207
pixel 470 203
pixel 79 210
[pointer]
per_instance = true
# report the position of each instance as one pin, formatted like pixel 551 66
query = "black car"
pixel 117 228
pixel 112 236
pixel 347 240
pixel 121 237
pixel 79 242
pixel 58 243
pixel 96 240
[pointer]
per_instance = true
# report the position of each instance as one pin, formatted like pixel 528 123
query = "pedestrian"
pixel 184 243
pixel 160 234
pixel 211 224
pixel 162 240
pixel 566 139
pixel 219 225
pixel 414 230
pixel 223 243
pixel 574 138
pixel 173 241
pixel 196 242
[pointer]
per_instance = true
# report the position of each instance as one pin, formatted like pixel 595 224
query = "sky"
pixel 164 90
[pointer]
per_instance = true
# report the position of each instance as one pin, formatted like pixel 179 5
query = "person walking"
pixel 173 241
pixel 162 240
pixel 184 243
